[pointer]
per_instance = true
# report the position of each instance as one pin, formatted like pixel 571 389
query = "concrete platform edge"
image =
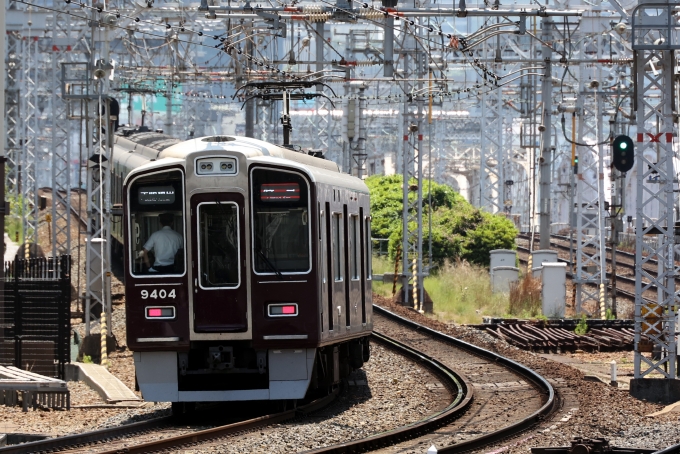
pixel 97 377
pixel 658 390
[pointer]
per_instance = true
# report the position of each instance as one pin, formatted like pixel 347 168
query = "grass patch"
pixel 461 292
pixel 381 265
pixel 525 297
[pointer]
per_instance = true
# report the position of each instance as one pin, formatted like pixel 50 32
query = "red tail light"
pixel 283 310
pixel 160 312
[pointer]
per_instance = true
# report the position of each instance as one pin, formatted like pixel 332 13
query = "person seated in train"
pixel 164 243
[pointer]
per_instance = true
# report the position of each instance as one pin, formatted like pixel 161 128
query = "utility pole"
pixel 99 136
pixel 617 208
pixel 546 129
pixel 360 155
pixel 3 137
pixel 250 104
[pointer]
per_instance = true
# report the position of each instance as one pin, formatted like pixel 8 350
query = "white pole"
pixel 613 373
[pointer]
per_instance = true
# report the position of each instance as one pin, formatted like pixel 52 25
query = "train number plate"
pixel 158 294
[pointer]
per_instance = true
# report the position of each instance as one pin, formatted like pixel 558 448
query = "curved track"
pixel 118 439
pixel 625 282
pixel 509 397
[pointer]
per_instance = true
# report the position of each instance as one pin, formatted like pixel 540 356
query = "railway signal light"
pixel 623 153
pixel 575 164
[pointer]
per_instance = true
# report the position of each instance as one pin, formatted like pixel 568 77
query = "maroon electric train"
pixel 269 295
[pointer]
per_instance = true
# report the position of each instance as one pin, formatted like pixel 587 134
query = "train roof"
pixel 249 147
pixel 321 170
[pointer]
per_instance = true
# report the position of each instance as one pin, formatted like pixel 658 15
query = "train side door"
pixel 220 303
pixel 338 322
pixel 354 268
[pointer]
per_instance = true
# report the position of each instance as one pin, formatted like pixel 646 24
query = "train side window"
pixel 369 248
pixel 337 245
pixel 218 234
pixel 156 224
pixel 355 243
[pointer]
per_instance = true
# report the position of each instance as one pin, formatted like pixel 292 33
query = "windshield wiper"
pixel 269 264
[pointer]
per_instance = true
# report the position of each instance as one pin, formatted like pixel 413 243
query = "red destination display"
pixel 279 192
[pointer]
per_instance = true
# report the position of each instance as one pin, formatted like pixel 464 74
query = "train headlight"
pixel 216 166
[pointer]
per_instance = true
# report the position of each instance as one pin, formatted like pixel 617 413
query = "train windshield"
pixel 218 239
pixel 281 228
pixel 157 224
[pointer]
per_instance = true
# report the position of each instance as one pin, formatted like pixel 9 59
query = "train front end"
pixel 232 314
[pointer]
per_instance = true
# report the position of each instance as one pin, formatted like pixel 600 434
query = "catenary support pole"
pixel 546 125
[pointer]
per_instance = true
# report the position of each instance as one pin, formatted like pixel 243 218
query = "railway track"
pixel 120 439
pixel 625 282
pixel 478 413
pixel 509 397
pixel 620 291
pixel 74 208
pixel 624 259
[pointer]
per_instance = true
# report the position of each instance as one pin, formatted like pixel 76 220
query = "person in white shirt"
pixel 164 243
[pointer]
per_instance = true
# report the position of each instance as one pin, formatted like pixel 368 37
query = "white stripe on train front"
pixel 158 339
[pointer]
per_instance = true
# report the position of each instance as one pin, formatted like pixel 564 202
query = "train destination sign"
pixel 280 192
pixel 156 195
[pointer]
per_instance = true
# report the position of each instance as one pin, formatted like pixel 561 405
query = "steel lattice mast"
pixel 589 202
pixel 412 166
pixel 654 45
pixel 492 151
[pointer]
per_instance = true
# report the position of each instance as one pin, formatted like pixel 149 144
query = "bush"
pixel 525 297
pixel 582 326
pixel 14 222
pixel 459 231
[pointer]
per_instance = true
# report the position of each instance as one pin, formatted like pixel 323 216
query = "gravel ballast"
pixel 589 409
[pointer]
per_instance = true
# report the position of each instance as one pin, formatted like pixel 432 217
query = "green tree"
pixel 13 222
pixel 459 230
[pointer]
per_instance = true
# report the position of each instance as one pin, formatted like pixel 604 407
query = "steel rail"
pixel 74 210
pixel 229 429
pixel 627 254
pixel 95 436
pixel 103 435
pixel 509 431
pixel 620 278
pixel 620 291
pixel 674 449
pixel 459 388
pixel 455 383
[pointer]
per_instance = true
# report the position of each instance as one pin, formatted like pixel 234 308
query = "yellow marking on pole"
pixel 397 259
pixel 573 138
pixel 105 358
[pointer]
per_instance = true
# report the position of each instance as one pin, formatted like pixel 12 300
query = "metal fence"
pixel 35 315
pixel 380 246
